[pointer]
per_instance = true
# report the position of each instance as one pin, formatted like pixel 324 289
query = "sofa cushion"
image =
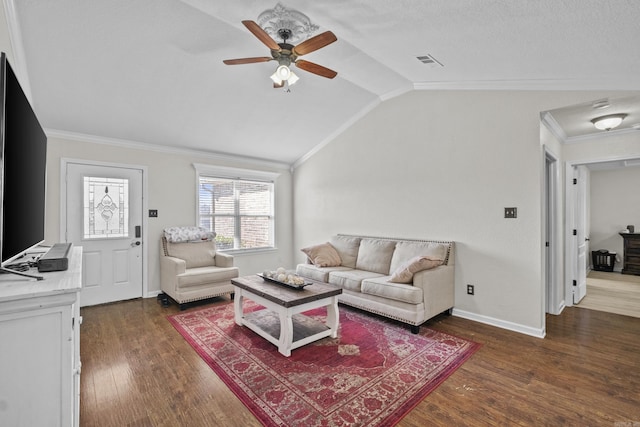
pixel 407 250
pixel 321 274
pixel 322 255
pixel 394 291
pixel 351 279
pixel 195 254
pixel 404 273
pixel 375 255
pixel 347 247
pixel 203 275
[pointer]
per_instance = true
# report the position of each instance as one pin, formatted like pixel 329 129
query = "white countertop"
pixel 14 287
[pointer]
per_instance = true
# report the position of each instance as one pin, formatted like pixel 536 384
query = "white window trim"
pixel 235 173
pixel 241 174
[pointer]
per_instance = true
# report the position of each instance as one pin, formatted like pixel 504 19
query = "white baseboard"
pixel 538 333
pixel 152 294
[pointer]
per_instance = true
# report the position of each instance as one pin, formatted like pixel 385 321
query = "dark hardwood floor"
pixel 138 371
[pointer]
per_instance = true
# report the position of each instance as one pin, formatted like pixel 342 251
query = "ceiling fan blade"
pixel 277 86
pixel 315 43
pixel 315 69
pixel 261 35
pixel 247 60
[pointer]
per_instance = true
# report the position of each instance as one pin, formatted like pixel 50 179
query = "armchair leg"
pixel 415 329
pixel 164 299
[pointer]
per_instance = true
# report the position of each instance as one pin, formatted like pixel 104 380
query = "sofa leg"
pixel 415 329
pixel 183 306
pixel 232 295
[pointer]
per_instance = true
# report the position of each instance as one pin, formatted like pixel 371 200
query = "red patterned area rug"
pixel 373 374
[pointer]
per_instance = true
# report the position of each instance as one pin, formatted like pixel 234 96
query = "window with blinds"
pixel 240 212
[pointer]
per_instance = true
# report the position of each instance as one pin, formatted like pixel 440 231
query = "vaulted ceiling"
pixel 151 71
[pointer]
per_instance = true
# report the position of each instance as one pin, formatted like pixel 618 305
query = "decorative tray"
pixel 290 285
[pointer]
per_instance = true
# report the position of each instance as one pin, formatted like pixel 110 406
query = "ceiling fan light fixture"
pixel 277 80
pixel 608 122
pixel 292 78
pixel 283 72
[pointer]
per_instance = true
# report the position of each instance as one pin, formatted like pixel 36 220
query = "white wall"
pixel 615 203
pixel 443 165
pixel 5 40
pixel 172 191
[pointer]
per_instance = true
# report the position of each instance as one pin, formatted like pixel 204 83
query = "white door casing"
pixel 553 258
pixel 580 240
pixel 113 265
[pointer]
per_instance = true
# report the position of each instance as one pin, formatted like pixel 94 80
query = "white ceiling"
pixel 151 71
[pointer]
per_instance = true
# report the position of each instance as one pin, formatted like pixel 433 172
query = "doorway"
pixel 573 204
pixel 102 212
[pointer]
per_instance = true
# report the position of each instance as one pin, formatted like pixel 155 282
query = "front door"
pixel 104 216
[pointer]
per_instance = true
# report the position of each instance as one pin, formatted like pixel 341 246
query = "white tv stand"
pixel 40 351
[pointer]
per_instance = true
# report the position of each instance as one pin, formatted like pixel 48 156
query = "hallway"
pixel 612 293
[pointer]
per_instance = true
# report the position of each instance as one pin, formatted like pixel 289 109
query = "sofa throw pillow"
pixel 405 250
pixel 323 255
pixel 375 255
pixel 404 274
pixel 188 234
pixel 347 247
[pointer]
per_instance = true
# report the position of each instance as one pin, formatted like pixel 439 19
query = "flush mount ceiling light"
pixel 608 122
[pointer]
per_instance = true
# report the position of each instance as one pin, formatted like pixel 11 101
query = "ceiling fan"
pixel 287 54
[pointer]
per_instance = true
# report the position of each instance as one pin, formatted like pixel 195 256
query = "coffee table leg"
pixel 333 317
pixel 286 333
pixel 237 306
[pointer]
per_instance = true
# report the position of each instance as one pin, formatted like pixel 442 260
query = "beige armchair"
pixel 192 271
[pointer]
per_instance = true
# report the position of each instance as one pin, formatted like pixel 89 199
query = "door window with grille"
pixel 106 208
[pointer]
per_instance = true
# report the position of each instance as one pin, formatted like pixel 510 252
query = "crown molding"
pixel 598 135
pixel 346 125
pixel 542 84
pixel 220 157
pixel 553 126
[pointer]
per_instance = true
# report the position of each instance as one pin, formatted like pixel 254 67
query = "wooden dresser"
pixel 631 258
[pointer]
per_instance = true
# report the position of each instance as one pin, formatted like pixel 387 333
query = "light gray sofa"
pixel 367 266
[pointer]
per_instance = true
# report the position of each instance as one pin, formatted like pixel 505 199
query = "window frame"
pixel 238 174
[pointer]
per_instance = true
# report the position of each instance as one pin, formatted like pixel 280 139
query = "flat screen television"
pixel 23 157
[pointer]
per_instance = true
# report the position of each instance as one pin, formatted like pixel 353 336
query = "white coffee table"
pixel 281 322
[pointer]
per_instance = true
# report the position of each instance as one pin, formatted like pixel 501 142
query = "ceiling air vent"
pixel 429 60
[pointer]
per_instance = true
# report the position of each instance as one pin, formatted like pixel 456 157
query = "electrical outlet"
pixel 153 213
pixel 510 212
pixel 470 289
